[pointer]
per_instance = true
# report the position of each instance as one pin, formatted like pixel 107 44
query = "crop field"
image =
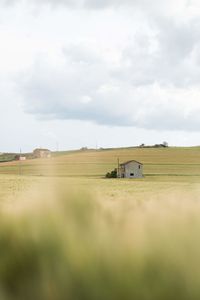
pixel 165 170
pixel 162 162
pixel 66 232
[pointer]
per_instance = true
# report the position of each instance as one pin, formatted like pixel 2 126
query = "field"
pixel 165 170
pixel 66 232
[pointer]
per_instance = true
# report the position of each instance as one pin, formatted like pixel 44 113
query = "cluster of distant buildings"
pixel 37 153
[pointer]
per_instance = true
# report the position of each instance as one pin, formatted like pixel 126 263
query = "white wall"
pixel 133 168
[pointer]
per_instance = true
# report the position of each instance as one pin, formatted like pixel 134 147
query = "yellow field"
pixel 66 232
pixel 171 161
pixel 165 170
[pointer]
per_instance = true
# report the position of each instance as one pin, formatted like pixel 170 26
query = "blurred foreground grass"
pixel 57 243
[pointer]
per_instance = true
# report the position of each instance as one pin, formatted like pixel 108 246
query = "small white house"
pixel 20 157
pixel 130 169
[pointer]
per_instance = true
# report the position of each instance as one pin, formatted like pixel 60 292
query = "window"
pixel 139 167
pixel 131 174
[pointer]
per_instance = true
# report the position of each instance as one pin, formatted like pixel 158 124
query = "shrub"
pixel 112 174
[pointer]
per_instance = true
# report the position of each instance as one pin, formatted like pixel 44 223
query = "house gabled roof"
pixel 129 161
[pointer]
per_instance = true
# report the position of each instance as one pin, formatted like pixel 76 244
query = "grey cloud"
pixel 136 91
pixel 71 3
pixel 177 40
pixel 81 54
pixel 156 5
pixel 85 90
pixel 168 55
pixel 76 3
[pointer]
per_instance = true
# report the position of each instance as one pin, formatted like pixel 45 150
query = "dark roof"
pixel 129 161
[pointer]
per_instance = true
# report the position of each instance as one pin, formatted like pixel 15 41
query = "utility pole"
pixel 20 166
pixel 57 146
pixel 118 167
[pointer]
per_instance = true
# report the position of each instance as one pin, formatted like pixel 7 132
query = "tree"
pixel 165 144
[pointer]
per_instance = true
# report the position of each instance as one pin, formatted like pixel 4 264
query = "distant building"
pixel 130 169
pixel 41 153
pixel 20 157
pixel 84 149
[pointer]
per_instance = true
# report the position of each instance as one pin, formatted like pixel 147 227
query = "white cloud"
pixel 131 63
pixel 181 8
pixel 90 90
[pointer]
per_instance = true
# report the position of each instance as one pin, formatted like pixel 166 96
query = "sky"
pixel 99 73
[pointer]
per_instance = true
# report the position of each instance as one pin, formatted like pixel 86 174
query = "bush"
pixel 112 174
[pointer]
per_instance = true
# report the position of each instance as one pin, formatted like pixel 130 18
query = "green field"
pixel 66 232
pixel 165 170
pixel 162 162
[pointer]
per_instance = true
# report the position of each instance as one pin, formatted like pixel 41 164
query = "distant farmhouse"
pixel 130 169
pixel 42 153
pixel 20 157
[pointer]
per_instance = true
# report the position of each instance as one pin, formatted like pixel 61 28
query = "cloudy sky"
pixel 109 73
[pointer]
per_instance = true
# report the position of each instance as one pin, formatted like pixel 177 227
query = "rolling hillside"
pixel 91 163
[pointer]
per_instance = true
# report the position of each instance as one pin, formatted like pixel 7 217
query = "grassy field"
pixel 66 232
pixel 162 162
pixel 165 170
